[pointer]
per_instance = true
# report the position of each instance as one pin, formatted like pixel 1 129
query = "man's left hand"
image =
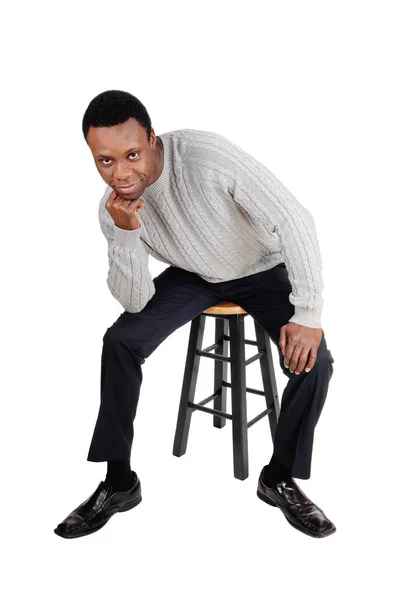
pixel 299 345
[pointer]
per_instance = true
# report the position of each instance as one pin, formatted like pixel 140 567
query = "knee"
pixel 324 362
pixel 124 329
pixel 117 339
pixel 325 357
pixel 114 334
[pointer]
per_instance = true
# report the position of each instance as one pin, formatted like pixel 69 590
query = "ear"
pixel 153 138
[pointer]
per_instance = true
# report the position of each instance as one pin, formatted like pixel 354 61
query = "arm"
pixel 128 279
pixel 266 199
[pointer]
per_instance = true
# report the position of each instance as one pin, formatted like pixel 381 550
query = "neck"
pixel 161 161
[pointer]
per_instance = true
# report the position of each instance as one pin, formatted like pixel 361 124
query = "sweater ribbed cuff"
pixel 127 237
pixel 307 317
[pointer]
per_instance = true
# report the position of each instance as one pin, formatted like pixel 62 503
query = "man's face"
pixel 123 156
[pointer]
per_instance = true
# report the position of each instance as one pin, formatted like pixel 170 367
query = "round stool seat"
pixel 225 308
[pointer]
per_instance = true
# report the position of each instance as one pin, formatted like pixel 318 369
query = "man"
pixel 224 223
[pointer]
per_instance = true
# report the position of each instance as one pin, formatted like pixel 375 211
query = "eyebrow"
pixel 127 152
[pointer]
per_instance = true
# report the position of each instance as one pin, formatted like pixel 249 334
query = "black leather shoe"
pixel 96 511
pixel 299 511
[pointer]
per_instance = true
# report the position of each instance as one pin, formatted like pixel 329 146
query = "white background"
pixel 306 88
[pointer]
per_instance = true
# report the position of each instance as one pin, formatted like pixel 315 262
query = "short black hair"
pixel 113 107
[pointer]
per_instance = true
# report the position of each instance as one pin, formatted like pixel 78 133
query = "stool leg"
pixel 220 371
pixel 238 387
pixel 189 384
pixel 268 377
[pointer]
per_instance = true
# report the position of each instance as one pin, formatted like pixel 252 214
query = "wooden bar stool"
pixel 229 331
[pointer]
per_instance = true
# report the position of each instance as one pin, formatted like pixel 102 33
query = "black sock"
pixel 276 472
pixel 119 475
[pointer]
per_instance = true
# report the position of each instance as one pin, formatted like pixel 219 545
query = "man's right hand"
pixel 124 212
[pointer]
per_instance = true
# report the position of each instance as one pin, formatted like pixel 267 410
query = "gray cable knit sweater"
pixel 218 212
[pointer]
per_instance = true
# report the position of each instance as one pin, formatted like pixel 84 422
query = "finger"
pixel 119 201
pixel 312 359
pixel 132 206
pixel 302 360
pixel 295 358
pixel 288 354
pixel 283 339
pixel 110 199
pixel 121 204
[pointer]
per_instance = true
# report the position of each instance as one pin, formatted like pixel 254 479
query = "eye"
pixel 101 160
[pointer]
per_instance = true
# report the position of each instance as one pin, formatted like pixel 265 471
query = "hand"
pixel 124 212
pixel 299 345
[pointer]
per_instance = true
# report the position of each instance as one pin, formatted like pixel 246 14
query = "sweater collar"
pixel 160 183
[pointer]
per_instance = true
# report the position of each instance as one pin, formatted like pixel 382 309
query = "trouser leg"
pixel 179 297
pixel 301 405
pixel 265 297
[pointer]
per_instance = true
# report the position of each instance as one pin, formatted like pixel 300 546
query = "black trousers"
pixel 180 296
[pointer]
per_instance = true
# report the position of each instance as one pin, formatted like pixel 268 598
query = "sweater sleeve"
pixel 128 279
pixel 265 198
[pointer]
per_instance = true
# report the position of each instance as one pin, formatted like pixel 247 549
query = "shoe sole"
pixel 124 508
pixel 268 501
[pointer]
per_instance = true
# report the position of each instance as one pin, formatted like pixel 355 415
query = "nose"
pixel 122 173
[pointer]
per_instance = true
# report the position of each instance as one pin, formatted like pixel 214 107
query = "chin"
pixel 131 195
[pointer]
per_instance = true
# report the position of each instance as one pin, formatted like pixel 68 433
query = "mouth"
pixel 128 189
